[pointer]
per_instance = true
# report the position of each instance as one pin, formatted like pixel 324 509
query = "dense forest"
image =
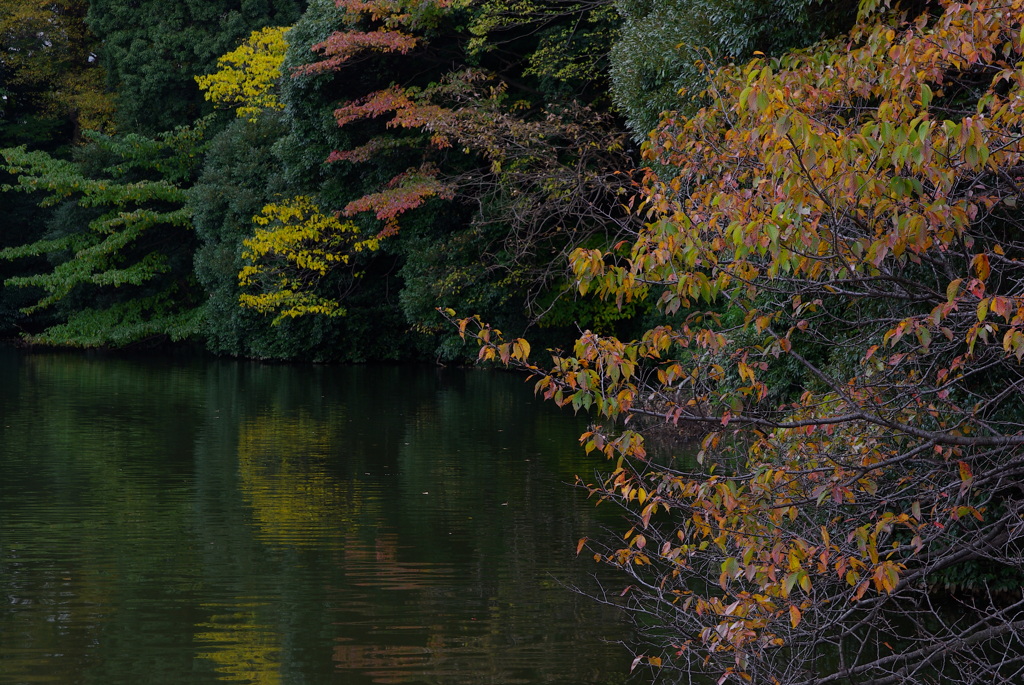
pixel 789 228
pixel 282 181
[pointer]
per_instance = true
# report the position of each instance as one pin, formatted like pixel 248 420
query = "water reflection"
pixel 283 477
pixel 243 649
pixel 195 521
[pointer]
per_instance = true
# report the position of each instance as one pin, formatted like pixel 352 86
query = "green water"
pixel 196 521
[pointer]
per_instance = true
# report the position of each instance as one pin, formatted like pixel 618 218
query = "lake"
pixel 187 520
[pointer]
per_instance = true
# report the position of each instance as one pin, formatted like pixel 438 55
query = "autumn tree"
pixel 835 245
pixel 246 77
pixel 153 49
pixel 51 85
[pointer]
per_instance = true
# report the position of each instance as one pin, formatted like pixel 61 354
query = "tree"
pixel 247 76
pixel 52 86
pixel 153 49
pixel 835 244
pixel 300 245
pixel 666 49
pixel 120 244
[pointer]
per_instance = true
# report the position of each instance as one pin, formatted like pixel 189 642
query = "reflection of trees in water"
pixel 442 546
pixel 267 524
pixel 284 479
pixel 93 513
pixel 452 663
pixel 242 648
pixel 487 656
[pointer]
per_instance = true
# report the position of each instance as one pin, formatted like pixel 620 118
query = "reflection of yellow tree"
pixel 282 467
pixel 243 649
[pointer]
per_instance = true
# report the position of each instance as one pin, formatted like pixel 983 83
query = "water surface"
pixel 196 521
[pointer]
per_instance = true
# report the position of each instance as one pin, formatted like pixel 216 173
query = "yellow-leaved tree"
pixel 246 77
pixel 295 247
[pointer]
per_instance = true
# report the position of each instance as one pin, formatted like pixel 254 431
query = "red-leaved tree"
pixel 549 171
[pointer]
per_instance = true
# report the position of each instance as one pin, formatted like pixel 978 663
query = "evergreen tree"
pixel 115 260
pixel 666 48
pixel 152 49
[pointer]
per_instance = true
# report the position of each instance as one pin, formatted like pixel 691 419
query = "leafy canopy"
pixel 246 77
pixel 48 70
pixel 666 49
pixel 121 263
pixel 835 243
pixel 298 248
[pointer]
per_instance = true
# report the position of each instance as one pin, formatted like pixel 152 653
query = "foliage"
pixel 153 49
pixel 281 155
pixel 850 212
pixel 121 260
pixel 48 72
pixel 531 176
pixel 571 39
pixel 666 49
pixel 299 247
pixel 247 76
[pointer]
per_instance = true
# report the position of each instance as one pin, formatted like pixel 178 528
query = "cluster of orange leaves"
pixel 818 172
